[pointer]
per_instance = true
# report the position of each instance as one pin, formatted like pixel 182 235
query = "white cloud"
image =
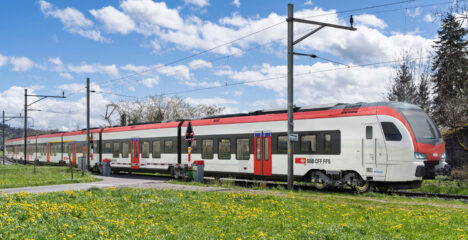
pixel 236 3
pixel 73 20
pixel 324 84
pixel 463 18
pixel 211 101
pixel 308 3
pixel 66 75
pixel 198 3
pixel 21 63
pixel 110 70
pixel 150 15
pixel 65 115
pixel 3 60
pixel 150 82
pixel 369 20
pixel 199 63
pixel 79 88
pixel 114 20
pixel 428 18
pixel 56 61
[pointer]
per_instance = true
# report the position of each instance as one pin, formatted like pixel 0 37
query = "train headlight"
pixel 421 156
pixel 442 157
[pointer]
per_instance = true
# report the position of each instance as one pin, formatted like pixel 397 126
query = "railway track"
pixel 244 182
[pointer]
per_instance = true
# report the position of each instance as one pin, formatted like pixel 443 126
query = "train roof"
pixel 347 108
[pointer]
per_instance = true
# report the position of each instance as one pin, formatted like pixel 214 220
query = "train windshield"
pixel 421 124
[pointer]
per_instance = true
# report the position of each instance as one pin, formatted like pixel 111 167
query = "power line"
pixel 280 77
pixel 246 36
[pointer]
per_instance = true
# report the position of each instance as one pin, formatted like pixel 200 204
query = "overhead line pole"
pixel 26 105
pixel 3 131
pixel 87 123
pixel 291 53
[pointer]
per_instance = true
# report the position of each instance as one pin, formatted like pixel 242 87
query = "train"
pixel 360 145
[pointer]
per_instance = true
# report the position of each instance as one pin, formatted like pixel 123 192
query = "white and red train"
pixel 388 144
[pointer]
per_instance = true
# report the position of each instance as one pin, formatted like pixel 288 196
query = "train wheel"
pixel 362 187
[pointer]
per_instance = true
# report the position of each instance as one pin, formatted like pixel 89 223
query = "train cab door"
pixel 262 153
pixel 48 153
pixel 373 151
pixel 74 153
pixel 135 153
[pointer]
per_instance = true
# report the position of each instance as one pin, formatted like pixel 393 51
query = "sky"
pixel 230 53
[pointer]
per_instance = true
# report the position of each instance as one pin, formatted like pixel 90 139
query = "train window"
pixel 266 148
pixel 116 152
pixel 391 131
pixel 309 143
pixel 224 149
pixel 107 148
pixel 327 143
pixel 168 146
pixel 243 149
pixel 145 147
pixel 156 149
pixel 282 144
pixel 207 149
pixel 194 146
pixel 95 146
pixel 368 132
pixel 69 149
pixel 259 148
pixel 125 149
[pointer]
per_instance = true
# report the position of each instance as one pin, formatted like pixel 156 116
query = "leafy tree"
pixel 450 73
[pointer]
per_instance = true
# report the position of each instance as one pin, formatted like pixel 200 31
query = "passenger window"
pixel 145 149
pixel 125 149
pixel 327 143
pixel 259 149
pixel 243 149
pixel 282 144
pixel 194 145
pixel 116 153
pixel 157 149
pixel 266 148
pixel 207 149
pixel 168 146
pixel 391 131
pixel 108 148
pixel 224 149
pixel 369 132
pixel 309 143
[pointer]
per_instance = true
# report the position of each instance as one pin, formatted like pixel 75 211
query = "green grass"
pixel 443 186
pixel 12 176
pixel 162 214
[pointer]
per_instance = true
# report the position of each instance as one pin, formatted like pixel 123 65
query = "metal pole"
pixel 35 150
pixel 290 97
pixel 3 137
pixel 87 122
pixel 25 123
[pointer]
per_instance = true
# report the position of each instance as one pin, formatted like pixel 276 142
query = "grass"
pixel 12 176
pixel 161 214
pixel 444 186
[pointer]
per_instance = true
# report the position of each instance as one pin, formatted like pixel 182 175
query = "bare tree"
pixel 162 109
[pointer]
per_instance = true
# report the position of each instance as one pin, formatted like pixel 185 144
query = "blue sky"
pixel 52 46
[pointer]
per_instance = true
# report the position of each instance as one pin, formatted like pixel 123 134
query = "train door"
pixel 373 151
pixel 262 153
pixel 48 152
pixel 74 153
pixel 135 153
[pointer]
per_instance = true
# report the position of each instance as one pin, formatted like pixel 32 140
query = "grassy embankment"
pixel 444 186
pixel 12 176
pixel 162 214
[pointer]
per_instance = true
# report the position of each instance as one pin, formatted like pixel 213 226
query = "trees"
pixel 403 88
pixel 161 109
pixel 450 73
